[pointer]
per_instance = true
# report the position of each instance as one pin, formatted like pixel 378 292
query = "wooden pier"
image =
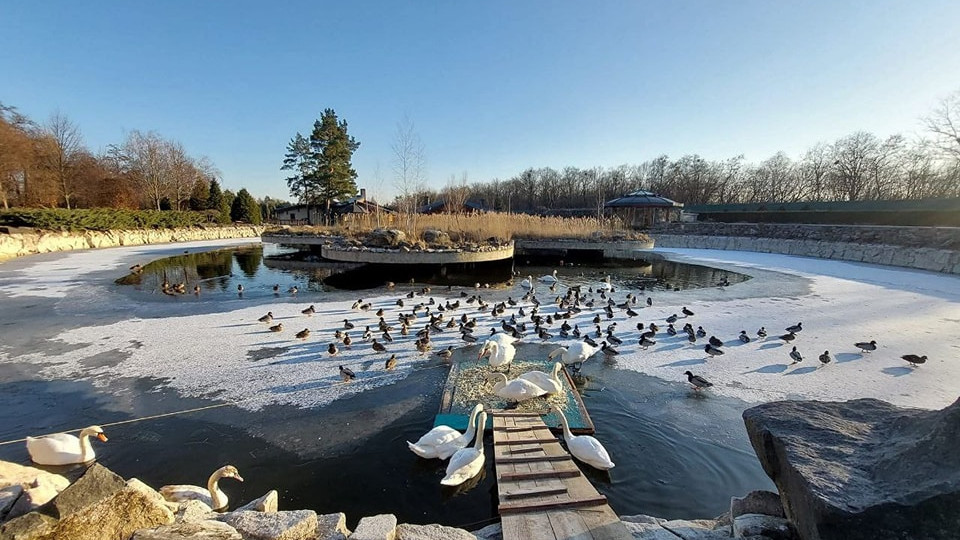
pixel 543 494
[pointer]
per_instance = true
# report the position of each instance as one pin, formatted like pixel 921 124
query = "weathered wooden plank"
pixel 517 429
pixel 509 414
pixel 569 525
pixel 522 441
pixel 529 506
pixel 515 451
pixel 536 475
pixel 532 459
pixel 532 492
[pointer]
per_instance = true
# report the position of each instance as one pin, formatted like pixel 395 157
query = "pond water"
pixel 678 454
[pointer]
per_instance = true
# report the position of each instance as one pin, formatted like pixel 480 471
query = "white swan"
pixel 516 389
pixel 212 496
pixel 443 441
pixel 549 279
pixel 605 284
pixel 502 339
pixel 575 354
pixel 467 462
pixel 527 283
pixel 64 449
pixel 584 447
pixel 550 383
pixel 501 354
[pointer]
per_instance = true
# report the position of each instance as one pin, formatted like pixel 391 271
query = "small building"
pixel 641 209
pixel 315 214
pixel 439 206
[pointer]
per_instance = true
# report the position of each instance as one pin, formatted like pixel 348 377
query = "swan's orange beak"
pixel 239 478
pixel 102 437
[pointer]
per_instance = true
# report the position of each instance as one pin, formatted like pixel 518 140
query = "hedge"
pixel 103 219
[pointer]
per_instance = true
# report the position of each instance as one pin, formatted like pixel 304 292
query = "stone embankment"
pixel 926 248
pixel 20 242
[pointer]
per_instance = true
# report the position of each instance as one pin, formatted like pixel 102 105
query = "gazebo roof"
pixel 642 199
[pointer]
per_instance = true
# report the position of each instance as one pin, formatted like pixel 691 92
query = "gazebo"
pixel 641 209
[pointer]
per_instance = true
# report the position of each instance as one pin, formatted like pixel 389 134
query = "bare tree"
pixel 146 157
pixel 66 144
pixel 944 123
pixel 409 163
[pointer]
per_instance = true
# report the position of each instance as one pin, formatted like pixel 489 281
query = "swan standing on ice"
pixel 212 496
pixel 442 442
pixel 550 383
pixel 501 354
pixel 527 283
pixel 605 284
pixel 64 449
pixel 467 462
pixel 574 355
pixel 584 447
pixel 550 278
pixel 515 390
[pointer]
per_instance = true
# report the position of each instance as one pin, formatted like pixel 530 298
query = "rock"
pixel 204 530
pixel 14 473
pixel 192 512
pixel 757 502
pixel 267 503
pixel 384 238
pixel 379 527
pixel 433 236
pixel 8 496
pixel 649 531
pixel 96 484
pixel 775 528
pixel 287 525
pixel 28 527
pixel 431 532
pixel 490 532
pixel 38 493
pixel 642 519
pixel 861 469
pixel 698 529
pixel 332 526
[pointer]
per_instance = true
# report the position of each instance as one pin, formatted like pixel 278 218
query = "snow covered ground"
pixel 230 356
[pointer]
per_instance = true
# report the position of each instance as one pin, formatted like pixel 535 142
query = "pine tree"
pixel 199 195
pixel 245 208
pixel 321 165
pixel 226 205
pixel 215 196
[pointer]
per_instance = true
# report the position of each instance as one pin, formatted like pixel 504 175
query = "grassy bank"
pixel 102 219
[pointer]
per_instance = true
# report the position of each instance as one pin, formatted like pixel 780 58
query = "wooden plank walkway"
pixel 543 495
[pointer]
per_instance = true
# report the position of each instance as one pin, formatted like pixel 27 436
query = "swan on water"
pixel 516 389
pixel 605 284
pixel 584 447
pixel 575 354
pixel 467 462
pixel 213 496
pixel 550 383
pixel 527 283
pixel 63 448
pixel 501 354
pixel 442 442
pixel 551 278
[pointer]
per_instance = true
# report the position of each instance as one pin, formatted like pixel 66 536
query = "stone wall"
pixel 29 241
pixel 925 248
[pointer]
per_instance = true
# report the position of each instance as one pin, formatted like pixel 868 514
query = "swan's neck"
pixel 501 382
pixel 566 428
pixel 86 450
pixel 479 442
pixel 471 425
pixel 214 489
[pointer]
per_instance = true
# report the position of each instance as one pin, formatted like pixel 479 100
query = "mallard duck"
pixel 701 332
pixel 762 332
pixel 672 319
pixel 467 462
pixel 347 340
pixel 712 351
pixel 277 327
pixel 446 354
pixel 268 318
pixel 795 329
pixel 608 351
pixel 697 381
pixel 715 341
pixel 347 325
pixel 687 312
pixel 377 346
pixel 796 356
pixel 391 362
pixel 63 448
pixel 303 334
pixel 744 337
pixel 584 447
pixel 442 442
pixel 332 349
pixel 646 341
pixel 347 374
pixel 866 346
pixel 212 496
pixel 825 358
pixel 671 331
pixel 788 337
pixel 309 311
pixel 914 359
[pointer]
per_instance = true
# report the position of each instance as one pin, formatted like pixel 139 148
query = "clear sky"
pixel 493 87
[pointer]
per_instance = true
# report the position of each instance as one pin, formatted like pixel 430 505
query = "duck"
pixel 196 290
pixel 697 381
pixel 276 288
pixel 277 327
pixel 466 462
pixel 240 289
pixel 442 442
pixel 795 329
pixel 574 354
pixel 347 325
pixel 332 349
pixel 825 358
pixel 63 448
pixel 552 278
pixel 527 283
pixel 303 334
pixel 762 332
pixel 788 337
pixel 347 374
pixel 377 346
pixel 671 330
pixel 715 341
pixel 584 447
pixel 712 351
pixel 744 337
pixel 796 356
pixel 212 496
pixel 446 354
pixel 866 346
pixel 609 351
pixel 514 390
pixel 914 359
pixel 550 383
pixel 701 332
pixel 671 319
pixel 268 318
pixel 645 341
pixel 687 312
pixel 309 311
pixel 293 290
pixel 391 362
pixel 500 353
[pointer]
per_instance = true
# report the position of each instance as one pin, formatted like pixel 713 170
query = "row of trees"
pixel 48 165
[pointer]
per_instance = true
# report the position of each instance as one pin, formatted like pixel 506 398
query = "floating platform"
pixel 465 387
pixel 543 495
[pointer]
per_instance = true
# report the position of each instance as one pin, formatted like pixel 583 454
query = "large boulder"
pixel 203 530
pixel 378 527
pixel 385 238
pixel 431 532
pixel 36 488
pixel 8 496
pixel 766 503
pixel 96 484
pixel 266 503
pixel 287 525
pixel 435 237
pixel 861 469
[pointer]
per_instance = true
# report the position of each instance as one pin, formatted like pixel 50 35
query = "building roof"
pixel 946 204
pixel 642 199
pixel 440 204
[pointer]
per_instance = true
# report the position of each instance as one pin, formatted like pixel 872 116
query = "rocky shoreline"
pixel 861 469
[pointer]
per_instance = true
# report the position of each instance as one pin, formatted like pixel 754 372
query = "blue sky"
pixel 493 87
